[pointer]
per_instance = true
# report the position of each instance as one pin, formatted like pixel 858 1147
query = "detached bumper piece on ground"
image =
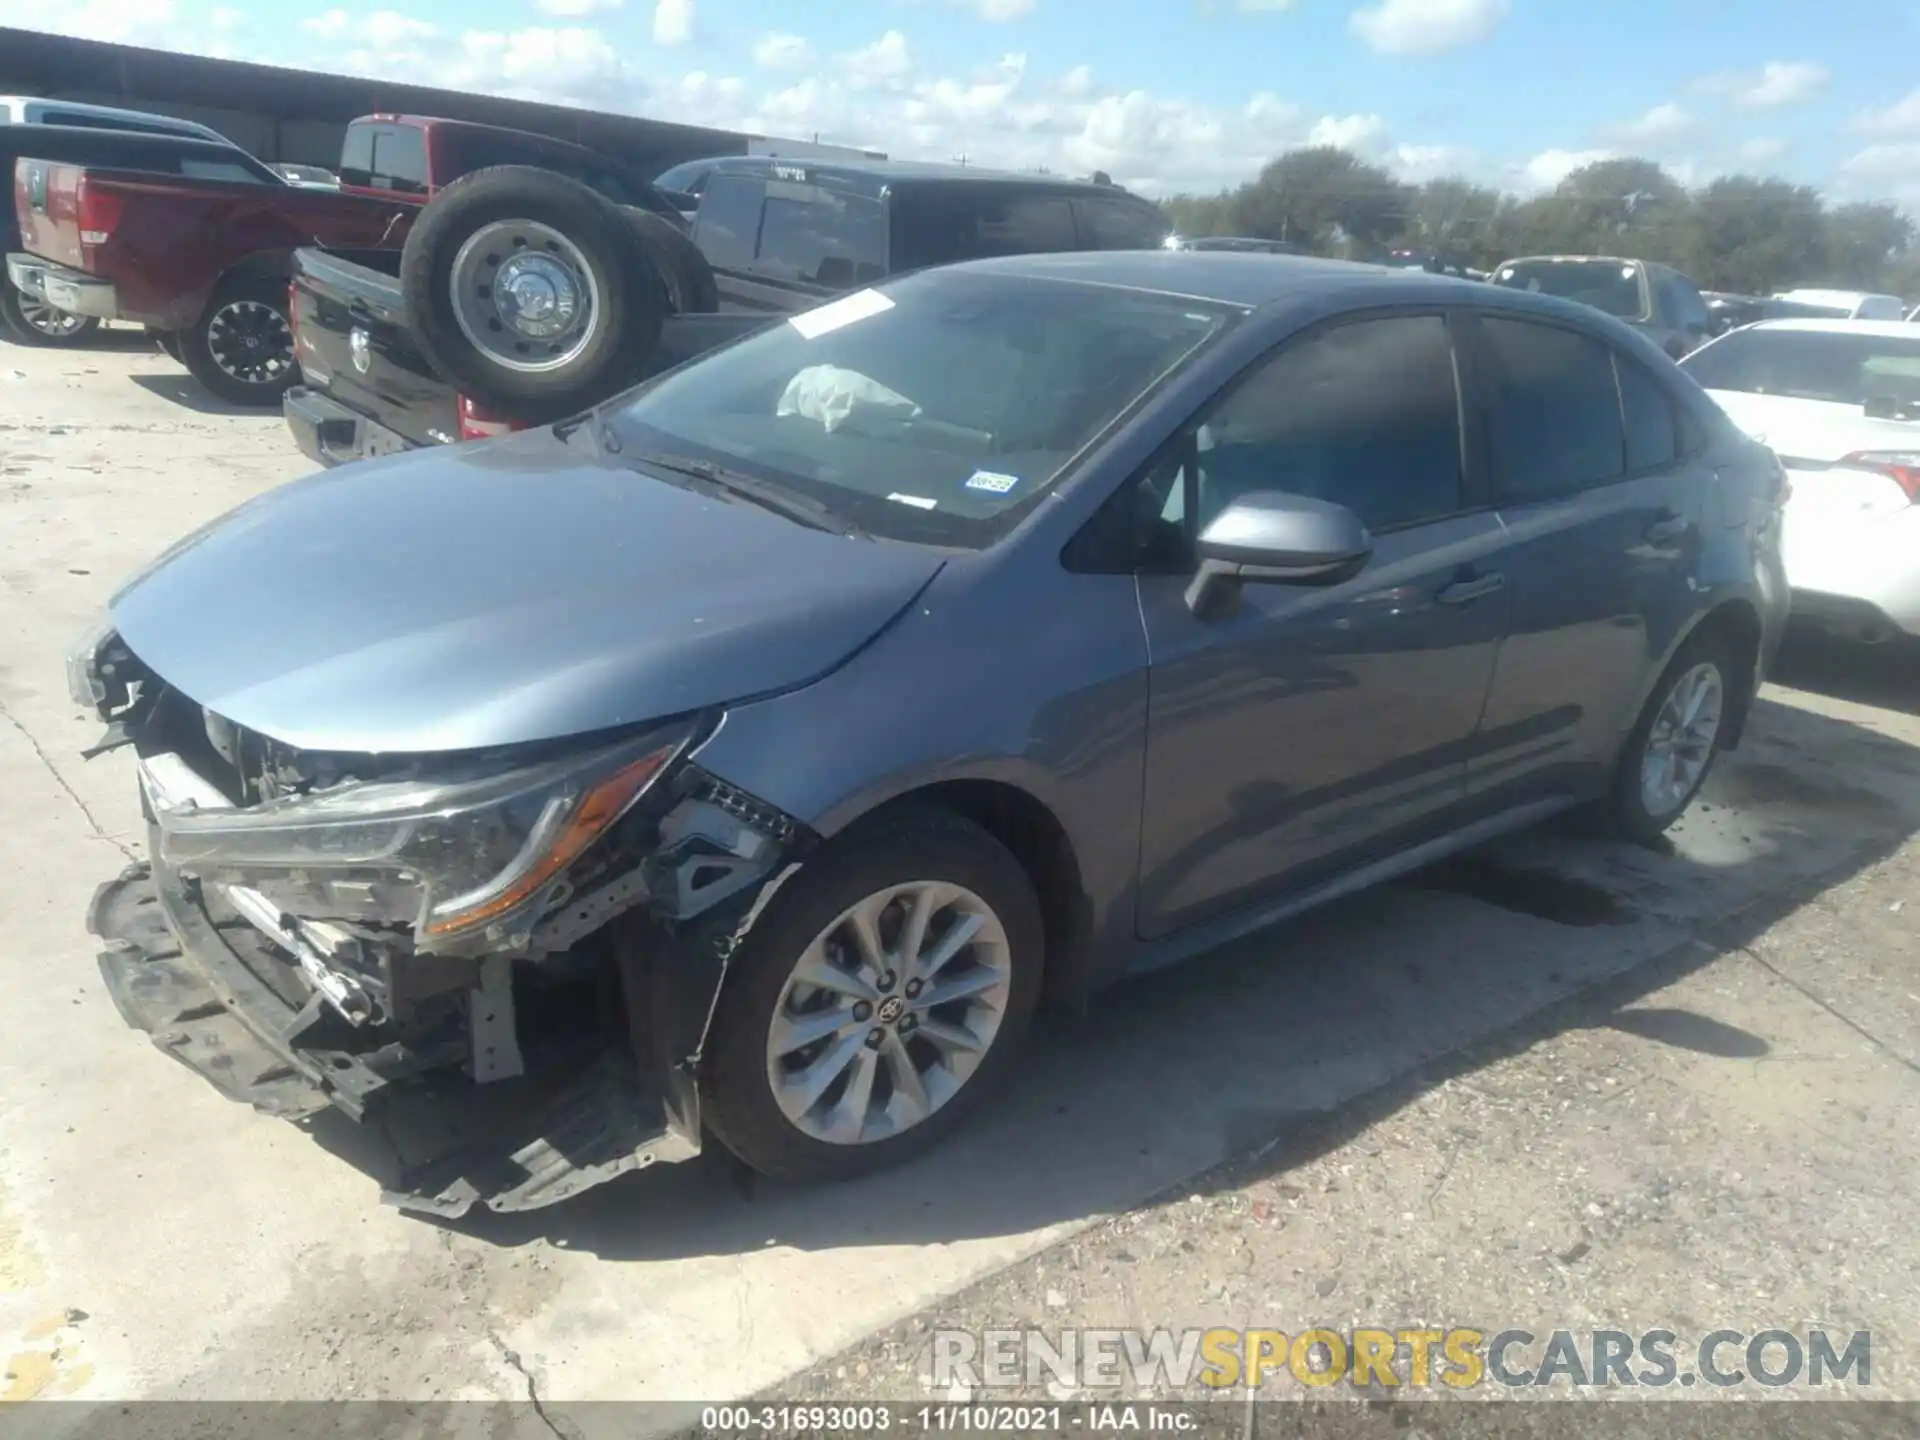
pixel 218 995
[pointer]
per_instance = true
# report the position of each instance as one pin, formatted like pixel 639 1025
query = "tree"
pixel 1323 197
pixel 1455 218
pixel 1752 236
pixel 1866 243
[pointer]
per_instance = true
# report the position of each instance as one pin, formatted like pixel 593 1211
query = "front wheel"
pixel 241 347
pixel 27 321
pixel 1672 747
pixel 879 999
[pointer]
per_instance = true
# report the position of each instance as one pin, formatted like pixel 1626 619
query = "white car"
pixel 34 110
pixel 1849 304
pixel 1839 402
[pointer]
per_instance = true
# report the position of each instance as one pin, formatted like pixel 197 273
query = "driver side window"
pixel 1365 414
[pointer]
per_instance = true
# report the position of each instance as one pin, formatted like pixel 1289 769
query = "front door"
pixel 1312 726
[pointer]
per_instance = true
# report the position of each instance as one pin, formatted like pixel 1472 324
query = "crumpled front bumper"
pixel 210 990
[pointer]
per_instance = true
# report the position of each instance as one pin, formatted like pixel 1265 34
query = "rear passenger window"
pixel 975 221
pixel 815 235
pixel 727 225
pixel 1648 413
pixel 1555 414
pixel 1108 222
pixel 1365 414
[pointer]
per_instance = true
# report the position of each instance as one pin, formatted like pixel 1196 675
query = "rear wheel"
pixel 1672 747
pixel 878 1000
pixel 28 321
pixel 241 347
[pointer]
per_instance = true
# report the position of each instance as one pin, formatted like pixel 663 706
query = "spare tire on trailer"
pixel 531 294
pixel 691 288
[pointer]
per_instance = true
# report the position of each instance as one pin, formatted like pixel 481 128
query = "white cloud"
pixel 887 60
pixel 1426 27
pixel 1349 132
pixel 577 7
pixel 777 50
pixel 1784 83
pixel 1077 81
pixel 1429 162
pixel 122 22
pixel 999 11
pixel 387 30
pixel 328 24
pixel 1550 167
pixel 1900 118
pixel 673 22
pixel 1762 148
pixel 1889 170
pixel 1777 83
pixel 1660 125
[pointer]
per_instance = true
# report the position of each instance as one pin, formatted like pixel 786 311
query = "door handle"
pixel 1475 587
pixel 1668 527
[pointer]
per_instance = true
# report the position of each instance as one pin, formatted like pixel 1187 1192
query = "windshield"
pixel 935 410
pixel 1609 285
pixel 1812 365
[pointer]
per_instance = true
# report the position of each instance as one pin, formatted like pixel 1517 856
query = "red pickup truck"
pixel 206 262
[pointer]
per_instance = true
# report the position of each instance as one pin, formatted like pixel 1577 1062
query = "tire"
pixel 691 287
pixel 979 877
pixel 241 347
pixel 580 244
pixel 1630 812
pixel 33 322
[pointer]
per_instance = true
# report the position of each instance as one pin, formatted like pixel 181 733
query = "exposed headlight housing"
pixel 85 682
pixel 462 859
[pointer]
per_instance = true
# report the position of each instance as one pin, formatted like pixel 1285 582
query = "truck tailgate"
pixel 351 339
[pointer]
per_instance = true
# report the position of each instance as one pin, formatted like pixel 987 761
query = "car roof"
pixel 1834 297
pixel 1570 259
pixel 109 112
pixel 878 173
pixel 1226 277
pixel 1884 329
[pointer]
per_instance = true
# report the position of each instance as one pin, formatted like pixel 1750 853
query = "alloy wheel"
pixel 251 342
pixel 56 324
pixel 1681 740
pixel 889 1012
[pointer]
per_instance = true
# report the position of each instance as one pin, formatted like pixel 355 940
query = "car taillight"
pixel 1900 466
pixel 477 422
pixel 97 212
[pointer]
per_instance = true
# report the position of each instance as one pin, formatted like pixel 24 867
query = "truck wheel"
pixel 531 294
pixel 241 347
pixel 880 997
pixel 27 321
pixel 691 288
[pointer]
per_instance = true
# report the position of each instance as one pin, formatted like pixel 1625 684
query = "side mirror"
pixel 1276 538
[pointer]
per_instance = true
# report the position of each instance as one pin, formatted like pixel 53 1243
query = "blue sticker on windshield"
pixel 992 482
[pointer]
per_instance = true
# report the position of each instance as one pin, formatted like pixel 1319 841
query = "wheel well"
pixel 1738 624
pixel 1039 842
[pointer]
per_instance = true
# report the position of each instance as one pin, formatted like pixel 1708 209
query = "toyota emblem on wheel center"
pixel 361 344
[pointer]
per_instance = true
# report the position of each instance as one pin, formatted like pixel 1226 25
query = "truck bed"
pixel 368 390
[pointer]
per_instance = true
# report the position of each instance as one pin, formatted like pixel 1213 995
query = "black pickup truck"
pixel 521 298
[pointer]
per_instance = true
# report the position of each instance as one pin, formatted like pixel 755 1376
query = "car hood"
pixel 498 593
pixel 1815 430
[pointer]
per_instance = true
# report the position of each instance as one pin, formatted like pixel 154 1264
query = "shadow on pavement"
pixel 185 391
pixel 1283 1046
pixel 1886 675
pixel 106 339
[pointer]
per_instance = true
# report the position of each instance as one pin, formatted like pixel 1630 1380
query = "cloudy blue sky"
pixel 1164 94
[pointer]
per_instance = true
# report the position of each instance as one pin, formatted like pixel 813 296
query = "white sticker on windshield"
pixel 992 481
pixel 825 319
pixel 919 502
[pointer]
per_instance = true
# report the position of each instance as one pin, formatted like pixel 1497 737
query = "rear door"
pixel 1603 507
pixel 786 240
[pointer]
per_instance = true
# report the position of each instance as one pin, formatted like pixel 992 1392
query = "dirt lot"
pixel 1560 1085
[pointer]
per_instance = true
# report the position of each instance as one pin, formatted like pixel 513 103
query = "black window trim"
pixel 1680 453
pixel 1476 494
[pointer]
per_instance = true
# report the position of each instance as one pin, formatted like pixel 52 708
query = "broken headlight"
pixel 463 858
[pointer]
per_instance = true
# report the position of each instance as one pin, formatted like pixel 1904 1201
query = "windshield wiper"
pixel 802 509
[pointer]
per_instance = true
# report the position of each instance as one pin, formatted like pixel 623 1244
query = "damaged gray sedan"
pixel 746 757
